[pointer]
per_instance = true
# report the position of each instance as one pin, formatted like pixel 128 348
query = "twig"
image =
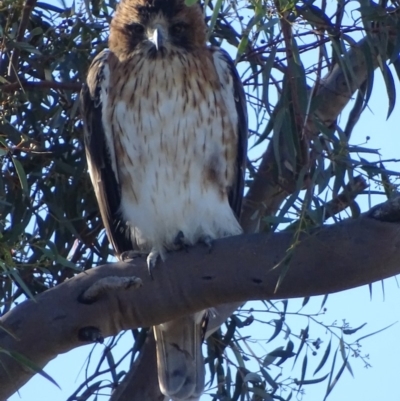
pixel 335 205
pixel 346 197
pixel 74 86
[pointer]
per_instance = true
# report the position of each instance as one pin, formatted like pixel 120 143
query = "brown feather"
pixel 123 42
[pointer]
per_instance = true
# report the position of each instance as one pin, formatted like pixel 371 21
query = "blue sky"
pixel 378 382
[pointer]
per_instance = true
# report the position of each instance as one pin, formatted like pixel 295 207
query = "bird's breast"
pixel 176 147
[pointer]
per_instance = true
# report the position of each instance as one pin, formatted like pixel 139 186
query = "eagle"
pixel 166 138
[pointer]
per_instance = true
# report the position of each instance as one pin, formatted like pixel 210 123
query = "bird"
pixel 165 133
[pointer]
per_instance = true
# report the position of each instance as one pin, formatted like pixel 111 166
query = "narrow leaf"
pixel 375 332
pixel 313 381
pixel 352 331
pixel 270 358
pixel 214 16
pixel 269 379
pixel 324 301
pixel 390 87
pixel 24 361
pixel 335 380
pixel 324 357
pixel 304 368
pixel 278 328
pixel 21 175
pixel 304 336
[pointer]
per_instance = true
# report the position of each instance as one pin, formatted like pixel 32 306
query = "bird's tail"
pixel 179 357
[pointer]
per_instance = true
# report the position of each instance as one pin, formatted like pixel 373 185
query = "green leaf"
pixel 27 363
pixel 14 273
pixel 278 122
pixel 272 356
pixel 238 385
pixel 278 327
pixel 252 377
pixel 285 305
pixel 49 7
pixel 303 368
pixel 24 46
pixel 362 149
pixel 312 381
pixel 324 357
pixel 305 301
pixel 344 356
pixel 36 31
pixel 304 336
pixel 335 380
pixel 324 301
pixel 242 45
pixel 329 388
pixel 214 17
pixel 352 331
pixel 390 87
pixel 269 379
pixel 21 175
pixel 272 22
pixel 238 356
pixel 315 16
pixel 370 75
pixel 375 332
pixel 287 353
pixel 67 263
pixel 266 75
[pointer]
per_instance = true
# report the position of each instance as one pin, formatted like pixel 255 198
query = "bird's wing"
pixel 100 153
pixel 179 357
pixel 235 99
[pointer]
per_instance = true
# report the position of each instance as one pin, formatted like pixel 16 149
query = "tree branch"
pixel 27 85
pixel 268 190
pixel 240 268
pixel 142 379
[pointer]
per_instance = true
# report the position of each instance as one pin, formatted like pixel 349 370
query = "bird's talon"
pixel 208 242
pixel 179 242
pixel 128 256
pixel 179 239
pixel 152 261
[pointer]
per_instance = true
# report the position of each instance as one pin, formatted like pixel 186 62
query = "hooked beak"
pixel 157 38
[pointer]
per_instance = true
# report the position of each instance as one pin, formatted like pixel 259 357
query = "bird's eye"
pixel 178 28
pixel 136 29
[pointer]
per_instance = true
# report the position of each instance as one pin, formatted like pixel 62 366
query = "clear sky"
pixel 378 382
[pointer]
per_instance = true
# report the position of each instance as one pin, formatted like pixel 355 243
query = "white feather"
pixel 170 145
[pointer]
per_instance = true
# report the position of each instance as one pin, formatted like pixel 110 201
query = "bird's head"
pixel 156 28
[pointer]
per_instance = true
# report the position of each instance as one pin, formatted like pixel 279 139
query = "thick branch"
pixel 240 268
pixel 142 379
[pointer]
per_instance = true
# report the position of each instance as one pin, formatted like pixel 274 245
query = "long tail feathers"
pixel 179 357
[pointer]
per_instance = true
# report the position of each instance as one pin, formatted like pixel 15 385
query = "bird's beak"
pixel 157 38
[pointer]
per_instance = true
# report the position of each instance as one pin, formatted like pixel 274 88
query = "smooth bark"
pixel 240 268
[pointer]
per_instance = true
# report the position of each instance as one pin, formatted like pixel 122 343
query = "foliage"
pixel 50 226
